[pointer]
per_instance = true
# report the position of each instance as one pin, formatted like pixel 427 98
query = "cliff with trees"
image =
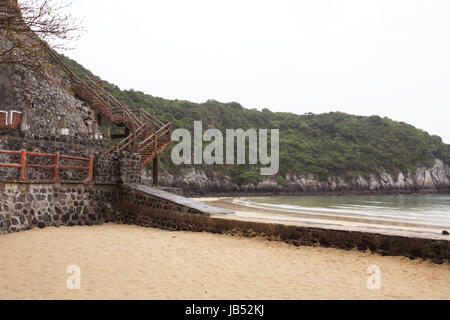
pixel 318 152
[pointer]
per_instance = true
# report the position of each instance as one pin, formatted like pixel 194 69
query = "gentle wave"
pixel 425 209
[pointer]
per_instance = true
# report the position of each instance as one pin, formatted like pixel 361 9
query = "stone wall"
pixel 45 99
pixel 137 208
pixel 38 90
pixel 130 167
pixel 44 96
pixel 147 204
pixel 106 168
pixel 25 206
pixel 109 168
pixel 79 146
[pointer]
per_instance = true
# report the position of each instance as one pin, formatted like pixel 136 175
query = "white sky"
pixel 390 58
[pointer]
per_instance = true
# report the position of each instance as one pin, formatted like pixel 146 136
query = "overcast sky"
pixel 390 58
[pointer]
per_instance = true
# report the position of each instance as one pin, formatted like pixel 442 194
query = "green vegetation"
pixel 331 144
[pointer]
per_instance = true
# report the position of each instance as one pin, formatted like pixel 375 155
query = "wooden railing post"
pixel 56 167
pixel 23 165
pixel 133 141
pixel 155 172
pixel 168 135
pixel 90 174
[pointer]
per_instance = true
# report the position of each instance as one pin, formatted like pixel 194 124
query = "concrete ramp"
pixel 197 206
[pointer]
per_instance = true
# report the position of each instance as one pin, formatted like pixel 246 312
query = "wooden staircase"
pixel 148 136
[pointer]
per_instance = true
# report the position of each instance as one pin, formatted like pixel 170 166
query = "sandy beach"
pixel 129 262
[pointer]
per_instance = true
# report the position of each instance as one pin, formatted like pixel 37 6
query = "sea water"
pixel 427 209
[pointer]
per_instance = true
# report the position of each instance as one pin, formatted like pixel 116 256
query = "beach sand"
pixel 130 262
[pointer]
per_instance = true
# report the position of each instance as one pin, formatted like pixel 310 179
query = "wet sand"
pixel 130 262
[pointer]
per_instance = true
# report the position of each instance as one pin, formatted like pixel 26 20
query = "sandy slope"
pixel 128 262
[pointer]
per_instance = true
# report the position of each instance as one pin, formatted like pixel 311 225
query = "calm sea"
pixel 431 209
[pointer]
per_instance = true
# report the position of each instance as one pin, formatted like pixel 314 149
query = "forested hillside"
pixel 331 144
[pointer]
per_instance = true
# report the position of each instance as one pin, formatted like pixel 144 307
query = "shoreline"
pixel 325 219
pixel 229 194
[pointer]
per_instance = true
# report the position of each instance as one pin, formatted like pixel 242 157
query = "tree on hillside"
pixel 29 26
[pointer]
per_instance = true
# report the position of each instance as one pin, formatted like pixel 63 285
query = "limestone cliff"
pixel 200 182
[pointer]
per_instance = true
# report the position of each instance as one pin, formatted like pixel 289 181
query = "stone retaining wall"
pixel 45 100
pixel 130 167
pixel 80 146
pixel 25 206
pixel 108 168
pixel 145 210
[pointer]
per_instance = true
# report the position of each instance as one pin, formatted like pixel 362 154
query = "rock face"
pixel 199 182
pixel 39 96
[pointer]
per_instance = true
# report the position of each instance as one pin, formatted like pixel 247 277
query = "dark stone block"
pixel 65 218
pixel 385 246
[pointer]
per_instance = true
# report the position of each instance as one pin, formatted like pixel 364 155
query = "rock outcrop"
pixel 199 182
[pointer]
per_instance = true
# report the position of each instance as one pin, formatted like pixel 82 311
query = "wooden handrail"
pixel 54 56
pixel 10 165
pixel 111 100
pixel 10 152
pixel 128 140
pixel 148 116
pixel 22 165
pixel 138 121
pixel 157 133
